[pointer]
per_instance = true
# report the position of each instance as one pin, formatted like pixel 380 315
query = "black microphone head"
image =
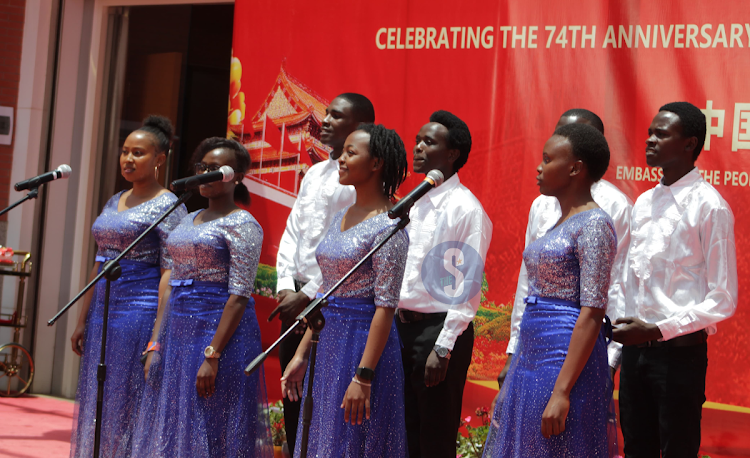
pixel 436 177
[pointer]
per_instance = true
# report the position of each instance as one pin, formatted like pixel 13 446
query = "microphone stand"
pixel 312 314
pixel 111 271
pixel 33 194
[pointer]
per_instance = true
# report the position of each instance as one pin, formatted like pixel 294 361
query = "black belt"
pixel 688 340
pixel 410 316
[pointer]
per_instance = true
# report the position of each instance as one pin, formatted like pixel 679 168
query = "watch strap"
pixel 365 373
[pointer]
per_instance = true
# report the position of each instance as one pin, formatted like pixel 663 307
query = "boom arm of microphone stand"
pixel 33 194
pixel 318 303
pixel 109 266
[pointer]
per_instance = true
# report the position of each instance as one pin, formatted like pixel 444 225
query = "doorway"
pixel 171 60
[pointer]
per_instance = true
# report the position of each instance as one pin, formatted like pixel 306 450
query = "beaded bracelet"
pixel 354 379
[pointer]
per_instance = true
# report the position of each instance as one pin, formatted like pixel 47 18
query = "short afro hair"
pixel 385 144
pixel 588 145
pixel 589 116
pixel 362 108
pixel 692 121
pixel 459 136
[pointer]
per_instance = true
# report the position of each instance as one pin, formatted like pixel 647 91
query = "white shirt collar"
pixel 436 195
pixel 332 163
pixel 681 188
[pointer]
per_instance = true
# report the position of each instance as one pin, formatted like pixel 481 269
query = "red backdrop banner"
pixel 509 69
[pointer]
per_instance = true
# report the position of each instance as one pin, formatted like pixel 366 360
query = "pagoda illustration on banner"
pixel 283 136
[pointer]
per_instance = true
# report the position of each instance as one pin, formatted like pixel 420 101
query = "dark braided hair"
pixel 692 121
pixel 459 136
pixel 385 144
pixel 241 161
pixel 161 129
pixel 588 145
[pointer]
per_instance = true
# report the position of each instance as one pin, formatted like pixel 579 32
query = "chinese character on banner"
pixel 741 128
pixel 718 129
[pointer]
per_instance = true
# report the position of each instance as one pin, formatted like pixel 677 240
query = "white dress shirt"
pixel 448 213
pixel 320 198
pixel 681 265
pixel 544 214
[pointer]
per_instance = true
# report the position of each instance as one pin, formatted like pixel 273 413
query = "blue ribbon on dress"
pixel 607 323
pixel 187 282
pixel 125 262
pixel 355 308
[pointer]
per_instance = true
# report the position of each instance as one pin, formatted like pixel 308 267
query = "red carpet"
pixel 35 426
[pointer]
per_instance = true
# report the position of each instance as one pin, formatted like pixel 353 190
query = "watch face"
pixel 365 373
pixel 208 352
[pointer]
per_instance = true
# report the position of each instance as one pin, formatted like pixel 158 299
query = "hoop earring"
pixel 156 173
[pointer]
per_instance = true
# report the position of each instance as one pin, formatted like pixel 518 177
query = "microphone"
pixel 61 172
pixel 225 173
pixel 433 179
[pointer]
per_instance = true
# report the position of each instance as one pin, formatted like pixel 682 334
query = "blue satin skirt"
pixel 132 311
pixel 174 420
pixel 342 344
pixel 515 431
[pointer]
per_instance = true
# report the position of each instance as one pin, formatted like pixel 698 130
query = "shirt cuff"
pixel 310 290
pixel 284 283
pixel 670 328
pixel 614 354
pixel 446 339
pixel 512 345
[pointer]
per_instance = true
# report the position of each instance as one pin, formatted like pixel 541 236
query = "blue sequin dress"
pixel 342 342
pixel 212 261
pixel 132 310
pixel 569 268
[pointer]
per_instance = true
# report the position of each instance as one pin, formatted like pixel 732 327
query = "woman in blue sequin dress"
pixel 133 297
pixel 557 392
pixel 198 402
pixel 358 391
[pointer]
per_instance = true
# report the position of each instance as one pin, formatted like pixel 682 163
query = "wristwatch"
pixel 365 373
pixel 442 352
pixel 211 353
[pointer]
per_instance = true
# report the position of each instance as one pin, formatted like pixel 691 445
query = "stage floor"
pixel 39 426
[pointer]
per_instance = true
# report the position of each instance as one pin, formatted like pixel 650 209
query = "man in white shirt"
pixel 680 280
pixel 449 235
pixel 544 214
pixel 319 199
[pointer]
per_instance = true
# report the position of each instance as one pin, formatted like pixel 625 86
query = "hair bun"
pixel 161 123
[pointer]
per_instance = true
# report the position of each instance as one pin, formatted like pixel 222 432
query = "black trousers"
pixel 662 391
pixel 433 415
pixel 287 348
